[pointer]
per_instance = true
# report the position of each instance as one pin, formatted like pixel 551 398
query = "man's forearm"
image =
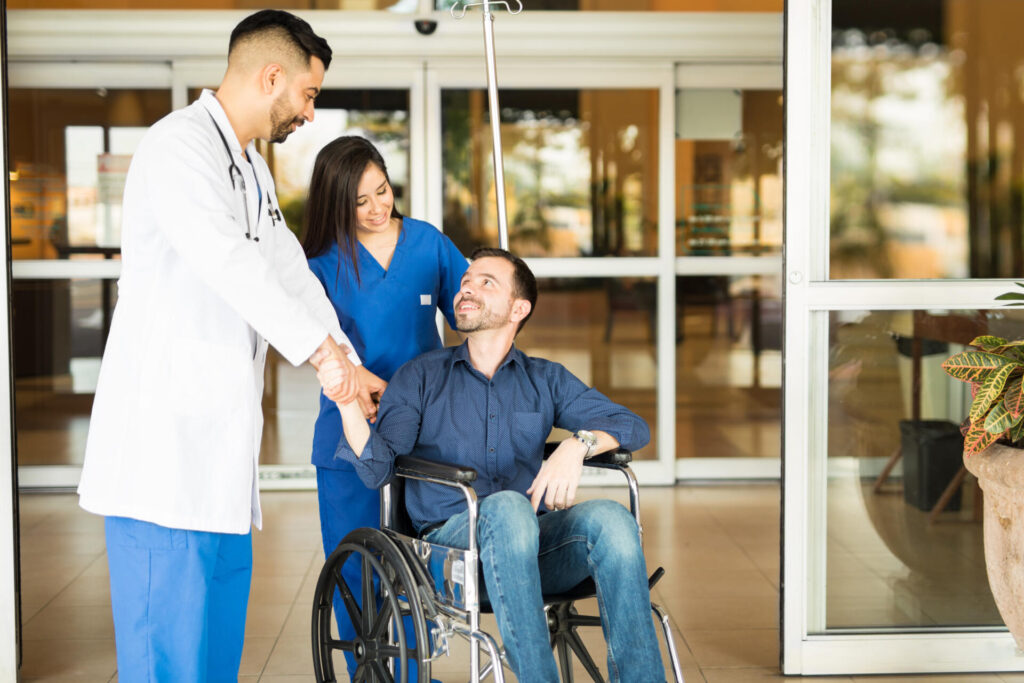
pixel 357 431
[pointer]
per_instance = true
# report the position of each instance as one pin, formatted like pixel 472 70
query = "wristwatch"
pixel 587 439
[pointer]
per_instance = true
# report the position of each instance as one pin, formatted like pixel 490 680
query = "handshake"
pixel 344 382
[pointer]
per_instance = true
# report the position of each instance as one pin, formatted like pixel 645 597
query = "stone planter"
pixel 1000 472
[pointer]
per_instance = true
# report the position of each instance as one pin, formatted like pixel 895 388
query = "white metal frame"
pixel 808 648
pixel 9 617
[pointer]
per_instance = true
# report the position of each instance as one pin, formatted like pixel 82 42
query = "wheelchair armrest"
pixel 620 457
pixel 406 465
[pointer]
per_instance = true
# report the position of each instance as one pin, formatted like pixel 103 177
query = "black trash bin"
pixel 932 455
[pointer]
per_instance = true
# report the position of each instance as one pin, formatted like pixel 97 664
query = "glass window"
pixel 926 128
pixel 390 5
pixel 729 172
pixel 58 334
pixel 728 366
pixel 381 116
pixel 641 5
pixel 897 556
pixel 68 165
pixel 602 330
pixel 581 169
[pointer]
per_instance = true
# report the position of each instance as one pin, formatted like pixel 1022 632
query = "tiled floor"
pixel 719 546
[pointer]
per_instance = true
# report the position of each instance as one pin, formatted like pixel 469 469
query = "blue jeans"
pixel 179 599
pixel 523 556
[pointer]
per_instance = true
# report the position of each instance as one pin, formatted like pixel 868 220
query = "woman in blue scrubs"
pixel 387 275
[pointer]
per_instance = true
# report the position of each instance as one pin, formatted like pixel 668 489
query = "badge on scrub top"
pixel 424 299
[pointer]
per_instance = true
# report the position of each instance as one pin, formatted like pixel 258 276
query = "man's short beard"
pixel 487 321
pixel 280 121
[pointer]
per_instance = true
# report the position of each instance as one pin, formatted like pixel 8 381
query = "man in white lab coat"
pixel 210 276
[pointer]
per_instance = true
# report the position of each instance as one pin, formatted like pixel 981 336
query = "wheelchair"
pixel 432 593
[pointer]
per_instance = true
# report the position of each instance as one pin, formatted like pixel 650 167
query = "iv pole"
pixel 492 101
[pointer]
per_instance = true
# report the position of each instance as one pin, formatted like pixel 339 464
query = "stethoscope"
pixel 237 181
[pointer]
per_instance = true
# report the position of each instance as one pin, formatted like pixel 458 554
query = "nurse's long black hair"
pixel 329 220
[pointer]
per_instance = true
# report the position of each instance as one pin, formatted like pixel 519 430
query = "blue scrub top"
pixel 388 315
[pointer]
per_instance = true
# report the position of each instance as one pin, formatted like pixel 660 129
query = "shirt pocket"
pixel 527 436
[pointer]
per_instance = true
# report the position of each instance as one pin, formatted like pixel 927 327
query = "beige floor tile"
pixel 255 652
pixel 723 613
pixel 274 590
pixel 85 590
pixel 70 622
pixel 734 647
pixel 761 675
pixel 69 660
pixel 291 656
pixel 265 620
pixel 936 678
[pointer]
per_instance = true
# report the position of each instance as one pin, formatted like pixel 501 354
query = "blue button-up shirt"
pixel 439 407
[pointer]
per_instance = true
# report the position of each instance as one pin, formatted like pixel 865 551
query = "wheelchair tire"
pixel 387 583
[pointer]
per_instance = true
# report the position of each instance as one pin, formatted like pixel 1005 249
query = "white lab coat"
pixel 176 423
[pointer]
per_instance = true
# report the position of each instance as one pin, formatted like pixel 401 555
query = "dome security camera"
pixel 425 26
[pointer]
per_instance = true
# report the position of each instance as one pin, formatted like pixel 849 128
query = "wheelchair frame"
pixel 407 578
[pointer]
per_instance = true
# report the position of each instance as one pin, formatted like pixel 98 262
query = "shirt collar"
pixel 212 105
pixel 462 355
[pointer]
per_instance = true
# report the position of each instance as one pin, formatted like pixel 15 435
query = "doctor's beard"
pixel 281 120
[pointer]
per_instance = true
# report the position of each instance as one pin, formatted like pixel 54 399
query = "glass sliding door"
pixel 587 166
pixel 728 240
pixel 77 131
pixel 902 213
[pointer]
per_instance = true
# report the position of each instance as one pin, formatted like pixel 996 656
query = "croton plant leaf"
pixel 975 366
pixel 999 420
pixel 991 391
pixel 978 439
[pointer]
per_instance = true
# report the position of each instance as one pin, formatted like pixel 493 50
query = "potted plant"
pixel 993 439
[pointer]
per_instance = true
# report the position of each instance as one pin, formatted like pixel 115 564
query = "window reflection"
pixel 59 330
pixel 729 172
pixel 381 116
pixel 68 164
pixel 580 171
pixel 889 402
pixel 926 129
pixel 641 5
pixel 390 5
pixel 728 366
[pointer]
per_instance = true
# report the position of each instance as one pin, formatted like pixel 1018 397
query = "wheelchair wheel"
pixel 386 595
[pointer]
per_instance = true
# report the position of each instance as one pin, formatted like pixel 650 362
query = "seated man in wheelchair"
pixel 486 405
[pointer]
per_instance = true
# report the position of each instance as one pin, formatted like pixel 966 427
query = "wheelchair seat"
pixel 438 592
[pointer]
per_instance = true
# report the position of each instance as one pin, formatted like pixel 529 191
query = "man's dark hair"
pixel 297 30
pixel 524 284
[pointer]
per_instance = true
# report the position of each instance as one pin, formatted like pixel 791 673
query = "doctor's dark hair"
pixel 330 217
pixel 524 284
pixel 293 30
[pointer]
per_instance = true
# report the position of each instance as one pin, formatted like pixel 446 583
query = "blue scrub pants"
pixel 179 599
pixel 347 504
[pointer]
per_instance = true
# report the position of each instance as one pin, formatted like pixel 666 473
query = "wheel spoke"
pixel 344 645
pixel 354 613
pixel 369 599
pixel 382 672
pixel 362 674
pixel 381 621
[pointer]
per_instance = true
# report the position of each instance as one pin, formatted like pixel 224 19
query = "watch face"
pixel 587 437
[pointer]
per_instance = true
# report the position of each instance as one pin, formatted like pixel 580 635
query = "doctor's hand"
pixel 341 384
pixel 559 476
